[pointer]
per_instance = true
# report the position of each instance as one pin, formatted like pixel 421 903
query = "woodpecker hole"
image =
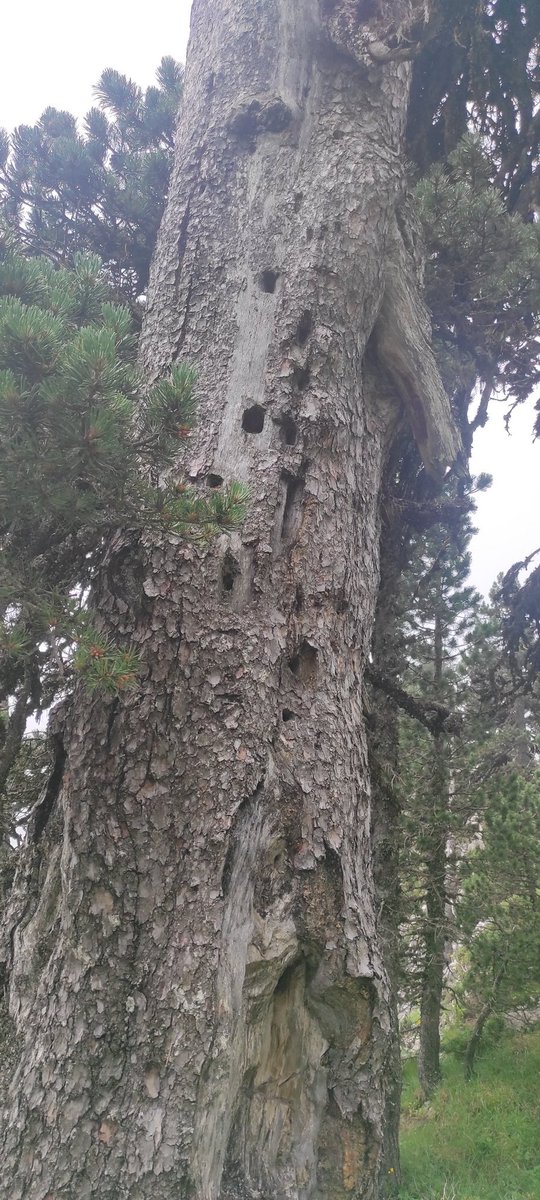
pixel 303 665
pixel 253 419
pixel 292 508
pixel 288 430
pixel 305 325
pixel 214 481
pixel 288 714
pixel 230 570
pixel 269 280
pixel 301 377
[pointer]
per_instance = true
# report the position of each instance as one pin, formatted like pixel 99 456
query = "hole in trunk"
pixel 288 429
pixel 305 325
pixel 288 714
pixel 253 419
pixel 230 570
pixel 269 280
pixel 303 664
pixel 214 481
pixel 301 376
pixel 292 509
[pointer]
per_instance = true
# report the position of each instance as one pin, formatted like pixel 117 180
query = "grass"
pixel 481 1140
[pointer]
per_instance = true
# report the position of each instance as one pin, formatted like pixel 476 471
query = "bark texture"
pixel 196 978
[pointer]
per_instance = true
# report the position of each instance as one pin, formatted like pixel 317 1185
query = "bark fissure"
pixel 51 791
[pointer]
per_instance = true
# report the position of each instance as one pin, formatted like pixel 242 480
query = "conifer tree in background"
pixel 434 635
pixel 64 193
pixel 446 817
pixel 473 133
pixel 499 912
pixel 100 190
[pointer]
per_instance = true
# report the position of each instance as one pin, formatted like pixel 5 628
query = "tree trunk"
pixel 196 979
pixel 435 931
pixel 386 820
pixel 473 1044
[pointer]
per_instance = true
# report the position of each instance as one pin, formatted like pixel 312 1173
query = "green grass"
pixel 481 1140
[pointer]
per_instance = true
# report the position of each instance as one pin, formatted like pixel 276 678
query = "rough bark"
pixel 196 975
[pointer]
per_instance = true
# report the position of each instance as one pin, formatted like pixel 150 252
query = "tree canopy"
pixel 99 189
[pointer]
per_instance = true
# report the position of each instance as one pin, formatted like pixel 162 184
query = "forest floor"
pixel 480 1140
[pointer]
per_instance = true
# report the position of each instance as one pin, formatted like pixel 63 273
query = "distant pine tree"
pixel 500 907
pixel 99 190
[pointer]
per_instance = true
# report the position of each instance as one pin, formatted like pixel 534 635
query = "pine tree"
pixel 475 145
pixel 231 793
pixel 204 976
pixel 499 913
pixel 102 190
pixel 482 284
pixel 434 636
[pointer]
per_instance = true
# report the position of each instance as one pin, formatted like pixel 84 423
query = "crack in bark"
pixel 239 815
pixel 45 805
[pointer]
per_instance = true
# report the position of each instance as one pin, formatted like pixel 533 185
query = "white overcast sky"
pixel 54 53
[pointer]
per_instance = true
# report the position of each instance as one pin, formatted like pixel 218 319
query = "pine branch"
pixel 432 715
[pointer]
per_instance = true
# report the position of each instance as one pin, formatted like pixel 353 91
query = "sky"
pixel 53 55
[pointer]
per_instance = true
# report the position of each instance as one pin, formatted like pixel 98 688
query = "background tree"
pixel 499 911
pixel 476 73
pixel 447 817
pixel 434 637
pixel 478 68
pixel 101 190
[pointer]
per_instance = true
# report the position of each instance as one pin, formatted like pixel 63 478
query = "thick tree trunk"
pixel 196 977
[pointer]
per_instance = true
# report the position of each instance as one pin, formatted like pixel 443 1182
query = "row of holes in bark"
pixel 253 419
pixel 291 492
pixel 268 281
